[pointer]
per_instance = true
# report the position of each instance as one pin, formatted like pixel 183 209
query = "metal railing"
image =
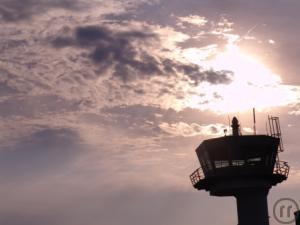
pixel 281 168
pixel 196 176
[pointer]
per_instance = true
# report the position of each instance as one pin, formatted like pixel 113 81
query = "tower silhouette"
pixel 245 167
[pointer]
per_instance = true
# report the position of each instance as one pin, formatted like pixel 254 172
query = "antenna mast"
pixel 254 122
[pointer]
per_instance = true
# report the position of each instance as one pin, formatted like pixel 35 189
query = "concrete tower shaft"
pixel 252 206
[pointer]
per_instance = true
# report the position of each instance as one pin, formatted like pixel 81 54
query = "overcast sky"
pixel 103 102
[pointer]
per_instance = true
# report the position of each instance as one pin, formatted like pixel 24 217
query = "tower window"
pixel 221 163
pixel 254 161
pixel 238 162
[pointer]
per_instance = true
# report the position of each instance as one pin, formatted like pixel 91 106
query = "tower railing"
pixel 281 168
pixel 196 176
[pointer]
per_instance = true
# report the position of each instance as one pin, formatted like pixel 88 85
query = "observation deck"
pixel 231 163
pixel 280 173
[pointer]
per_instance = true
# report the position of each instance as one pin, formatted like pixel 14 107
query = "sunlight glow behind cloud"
pixel 253 85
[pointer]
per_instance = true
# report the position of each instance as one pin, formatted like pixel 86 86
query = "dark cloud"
pixel 111 48
pixel 196 74
pixel 218 77
pixel 15 10
pixel 118 48
pixel 211 76
pixel 121 51
pixel 90 34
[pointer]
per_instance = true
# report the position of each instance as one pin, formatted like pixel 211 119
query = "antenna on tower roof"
pixel 254 122
pixel 229 125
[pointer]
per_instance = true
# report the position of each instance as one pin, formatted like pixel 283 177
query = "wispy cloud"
pixel 194 129
pixel 192 19
pixel 16 10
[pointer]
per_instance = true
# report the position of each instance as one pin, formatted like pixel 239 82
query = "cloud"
pixel 212 77
pixel 115 49
pixel 248 130
pixel 97 64
pixel 5 89
pixel 194 129
pixel 192 19
pixel 15 10
pixel 33 106
pixel 129 53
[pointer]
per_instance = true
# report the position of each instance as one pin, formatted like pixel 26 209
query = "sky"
pixel 102 104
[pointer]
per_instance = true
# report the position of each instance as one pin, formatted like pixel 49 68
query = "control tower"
pixel 245 167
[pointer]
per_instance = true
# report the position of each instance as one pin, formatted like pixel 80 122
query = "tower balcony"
pixel 281 168
pixel 200 181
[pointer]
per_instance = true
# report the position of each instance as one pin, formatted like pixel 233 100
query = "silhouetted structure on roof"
pixel 245 167
pixel 297 217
